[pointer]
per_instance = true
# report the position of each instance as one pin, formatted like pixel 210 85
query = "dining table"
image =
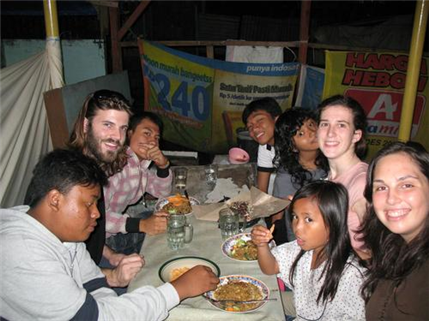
pixel 207 243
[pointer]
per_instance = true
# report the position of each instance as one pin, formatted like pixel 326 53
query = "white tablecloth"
pixel 207 244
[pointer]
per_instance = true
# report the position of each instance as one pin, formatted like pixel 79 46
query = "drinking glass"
pixel 180 177
pixel 228 223
pixel 176 231
pixel 211 174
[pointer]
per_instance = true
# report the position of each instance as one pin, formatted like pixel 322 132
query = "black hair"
pixel 392 258
pixel 269 104
pixel 359 118
pixel 137 119
pixel 332 200
pixel 62 169
pixel 287 125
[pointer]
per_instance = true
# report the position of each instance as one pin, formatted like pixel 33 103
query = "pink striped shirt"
pixel 127 187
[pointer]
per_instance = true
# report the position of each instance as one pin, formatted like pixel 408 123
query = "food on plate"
pixel 242 208
pixel 176 273
pixel 244 250
pixel 177 204
pixel 238 291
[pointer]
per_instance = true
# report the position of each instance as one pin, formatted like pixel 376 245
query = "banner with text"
pixel 310 89
pixel 377 81
pixel 200 100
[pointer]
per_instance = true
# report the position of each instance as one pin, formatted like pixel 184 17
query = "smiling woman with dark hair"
pixel 341 135
pixel 396 230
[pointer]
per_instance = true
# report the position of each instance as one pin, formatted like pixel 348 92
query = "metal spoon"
pixel 248 301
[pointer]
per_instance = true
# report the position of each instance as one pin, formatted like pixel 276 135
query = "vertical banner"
pixel 310 89
pixel 200 100
pixel 377 82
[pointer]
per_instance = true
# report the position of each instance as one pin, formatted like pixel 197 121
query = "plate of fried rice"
pixel 176 204
pixel 238 288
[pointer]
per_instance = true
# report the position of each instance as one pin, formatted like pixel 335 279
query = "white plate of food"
pixel 176 204
pixel 240 248
pixel 174 268
pixel 238 288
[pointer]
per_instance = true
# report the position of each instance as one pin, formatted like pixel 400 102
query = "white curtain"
pixel 254 54
pixel 24 130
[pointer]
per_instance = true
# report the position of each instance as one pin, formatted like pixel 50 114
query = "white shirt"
pixel 265 157
pixel 43 278
pixel 347 303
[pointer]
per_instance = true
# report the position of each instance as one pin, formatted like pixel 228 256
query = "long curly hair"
pixel 392 257
pixel 99 100
pixel 287 156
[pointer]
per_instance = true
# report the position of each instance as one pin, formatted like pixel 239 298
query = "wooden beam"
pixel 132 19
pixel 116 47
pixel 290 44
pixel 304 31
pixel 203 43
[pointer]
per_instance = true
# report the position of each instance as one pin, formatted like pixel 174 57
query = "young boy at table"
pixel 46 271
pixel 260 117
pixel 125 233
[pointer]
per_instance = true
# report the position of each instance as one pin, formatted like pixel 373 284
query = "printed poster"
pixel 310 89
pixel 377 82
pixel 200 100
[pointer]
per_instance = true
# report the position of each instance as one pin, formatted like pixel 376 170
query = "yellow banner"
pixel 201 100
pixel 377 81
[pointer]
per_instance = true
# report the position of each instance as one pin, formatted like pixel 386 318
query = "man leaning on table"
pixel 46 271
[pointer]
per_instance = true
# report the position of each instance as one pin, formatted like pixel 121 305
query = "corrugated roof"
pixel 217 27
pixel 268 29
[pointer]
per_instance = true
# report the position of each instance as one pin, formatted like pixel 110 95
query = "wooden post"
pixel 304 30
pixel 210 52
pixel 116 46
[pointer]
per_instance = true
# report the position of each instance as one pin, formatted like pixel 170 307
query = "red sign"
pixel 385 105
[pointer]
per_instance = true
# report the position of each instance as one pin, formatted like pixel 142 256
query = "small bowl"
pixel 185 262
pixel 238 156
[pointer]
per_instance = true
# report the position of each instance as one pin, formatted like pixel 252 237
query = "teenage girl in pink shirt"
pixel 341 135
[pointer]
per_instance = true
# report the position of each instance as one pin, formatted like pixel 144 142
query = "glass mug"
pixel 228 223
pixel 176 231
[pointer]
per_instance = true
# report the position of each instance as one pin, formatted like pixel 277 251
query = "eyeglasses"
pixel 108 94
pixel 105 97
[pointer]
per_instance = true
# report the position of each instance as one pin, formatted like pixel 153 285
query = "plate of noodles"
pixel 238 288
pixel 176 204
pixel 174 268
pixel 240 247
